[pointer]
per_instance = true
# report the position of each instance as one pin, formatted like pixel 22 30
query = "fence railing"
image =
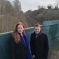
pixel 52 31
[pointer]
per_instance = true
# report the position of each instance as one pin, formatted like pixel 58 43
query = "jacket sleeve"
pixel 32 46
pixel 46 47
pixel 12 48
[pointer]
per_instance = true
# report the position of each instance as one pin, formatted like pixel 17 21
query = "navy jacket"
pixel 39 46
pixel 17 51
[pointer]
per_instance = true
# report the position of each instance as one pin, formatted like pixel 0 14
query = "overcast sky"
pixel 33 4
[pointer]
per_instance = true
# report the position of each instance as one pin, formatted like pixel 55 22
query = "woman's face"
pixel 20 29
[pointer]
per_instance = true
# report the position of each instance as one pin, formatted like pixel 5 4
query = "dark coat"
pixel 17 51
pixel 39 46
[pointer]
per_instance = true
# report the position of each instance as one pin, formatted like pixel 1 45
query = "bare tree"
pixel 17 8
pixel 41 7
pixel 5 7
pixel 56 7
pixel 2 2
pixel 49 6
pixel 17 5
pixel 57 2
pixel 8 7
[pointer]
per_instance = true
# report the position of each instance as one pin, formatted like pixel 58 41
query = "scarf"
pixel 24 39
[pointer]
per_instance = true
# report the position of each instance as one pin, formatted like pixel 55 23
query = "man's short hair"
pixel 37 25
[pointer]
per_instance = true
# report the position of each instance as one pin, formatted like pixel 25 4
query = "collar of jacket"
pixel 37 34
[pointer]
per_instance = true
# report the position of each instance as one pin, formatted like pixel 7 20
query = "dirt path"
pixel 54 54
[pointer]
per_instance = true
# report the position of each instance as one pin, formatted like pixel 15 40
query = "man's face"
pixel 37 30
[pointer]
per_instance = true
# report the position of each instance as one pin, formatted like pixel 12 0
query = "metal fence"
pixel 51 28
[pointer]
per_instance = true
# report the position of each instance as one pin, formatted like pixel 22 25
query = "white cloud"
pixel 26 7
pixel 33 4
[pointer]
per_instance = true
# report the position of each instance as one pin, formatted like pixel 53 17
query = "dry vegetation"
pixel 10 15
pixel 42 14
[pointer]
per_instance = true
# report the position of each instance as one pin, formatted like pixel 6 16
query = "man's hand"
pixel 33 56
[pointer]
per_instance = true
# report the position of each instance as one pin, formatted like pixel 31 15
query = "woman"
pixel 19 45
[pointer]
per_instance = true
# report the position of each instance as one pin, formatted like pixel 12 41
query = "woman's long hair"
pixel 15 32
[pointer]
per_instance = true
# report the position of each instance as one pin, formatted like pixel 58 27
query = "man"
pixel 39 43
